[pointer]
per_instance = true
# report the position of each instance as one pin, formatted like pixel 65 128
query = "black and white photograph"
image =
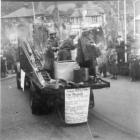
pixel 70 70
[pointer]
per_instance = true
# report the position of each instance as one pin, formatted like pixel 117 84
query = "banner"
pixel 76 105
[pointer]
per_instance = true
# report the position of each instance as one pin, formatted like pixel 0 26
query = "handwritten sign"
pixel 76 105
pixel 22 79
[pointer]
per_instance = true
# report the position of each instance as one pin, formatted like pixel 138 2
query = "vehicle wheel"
pixel 35 102
pixel 35 107
pixel 92 103
pixel 18 80
pixel 27 84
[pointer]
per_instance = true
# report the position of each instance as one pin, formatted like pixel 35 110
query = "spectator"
pixel 134 68
pixel 113 62
pixel 103 64
pixel 3 66
pixel 10 54
pixel 120 47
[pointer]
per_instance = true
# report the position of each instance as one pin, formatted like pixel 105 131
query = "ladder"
pixel 36 64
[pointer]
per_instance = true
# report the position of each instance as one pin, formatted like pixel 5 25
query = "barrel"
pixel 81 74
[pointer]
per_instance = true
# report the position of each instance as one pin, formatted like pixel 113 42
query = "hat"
pixel 84 29
pixel 52 31
pixel 72 34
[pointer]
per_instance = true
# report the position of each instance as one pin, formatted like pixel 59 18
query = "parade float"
pixel 69 91
pixel 68 87
pixel 134 59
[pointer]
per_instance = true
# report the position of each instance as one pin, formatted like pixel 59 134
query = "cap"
pixel 72 34
pixel 85 29
pixel 52 31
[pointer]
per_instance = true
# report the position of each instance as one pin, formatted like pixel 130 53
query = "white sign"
pixel 22 76
pixel 76 105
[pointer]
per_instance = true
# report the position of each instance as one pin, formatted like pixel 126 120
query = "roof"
pixel 61 7
pixel 22 12
pixel 65 13
pixel 76 13
pixel 92 10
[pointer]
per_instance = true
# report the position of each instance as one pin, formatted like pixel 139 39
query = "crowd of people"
pixel 8 60
pixel 89 54
pixel 114 61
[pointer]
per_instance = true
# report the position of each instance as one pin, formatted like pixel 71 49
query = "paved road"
pixel 120 104
pixel 19 124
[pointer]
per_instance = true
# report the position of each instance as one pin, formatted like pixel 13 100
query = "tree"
pixel 41 7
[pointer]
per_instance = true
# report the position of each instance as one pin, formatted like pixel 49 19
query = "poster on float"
pixel 76 105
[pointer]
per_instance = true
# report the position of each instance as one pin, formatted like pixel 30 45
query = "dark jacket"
pixel 64 52
pixel 86 51
pixel 49 59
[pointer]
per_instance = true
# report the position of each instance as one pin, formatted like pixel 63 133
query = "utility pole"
pixel 118 14
pixel 33 10
pixel 125 30
pixel 56 17
pixel 134 7
pixel 134 20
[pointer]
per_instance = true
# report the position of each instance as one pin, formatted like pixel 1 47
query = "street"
pixel 67 45
pixel 120 104
pixel 115 116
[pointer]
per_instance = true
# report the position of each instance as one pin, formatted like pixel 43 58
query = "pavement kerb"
pixel 114 124
pixel 7 78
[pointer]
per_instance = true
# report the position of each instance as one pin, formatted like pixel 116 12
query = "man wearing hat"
pixel 65 50
pixel 49 56
pixel 53 40
pixel 87 52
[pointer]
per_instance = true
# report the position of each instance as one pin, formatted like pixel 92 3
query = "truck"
pixel 48 94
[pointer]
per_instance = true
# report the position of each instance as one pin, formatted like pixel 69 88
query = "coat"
pixel 86 51
pixel 113 62
pixel 49 59
pixel 65 50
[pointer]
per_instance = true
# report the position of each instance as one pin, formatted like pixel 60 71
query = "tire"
pixel 35 101
pixel 18 80
pixel 27 84
pixel 92 102
pixel 35 107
